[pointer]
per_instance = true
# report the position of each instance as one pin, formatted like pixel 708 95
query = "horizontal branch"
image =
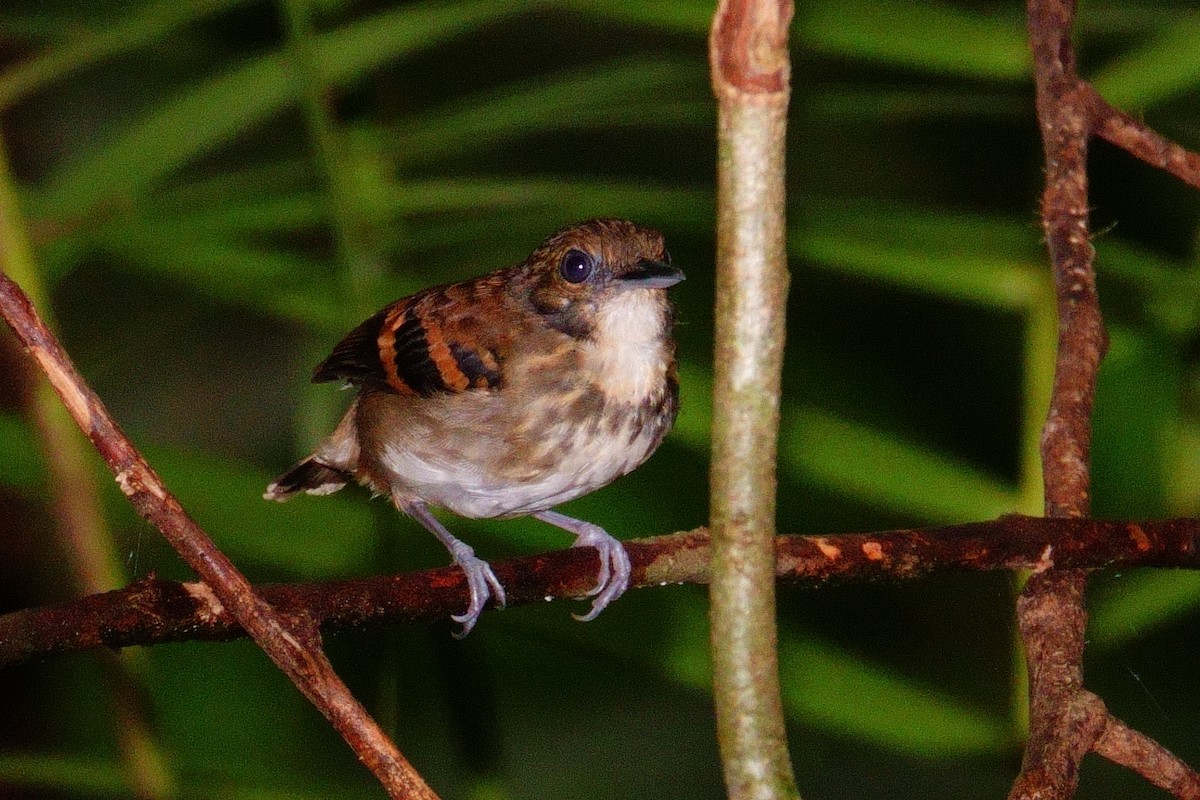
pixel 153 611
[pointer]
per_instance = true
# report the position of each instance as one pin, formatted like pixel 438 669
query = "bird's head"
pixel 602 273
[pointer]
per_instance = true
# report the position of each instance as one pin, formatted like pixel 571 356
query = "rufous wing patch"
pixel 421 345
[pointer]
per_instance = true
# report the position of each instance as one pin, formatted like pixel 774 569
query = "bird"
pixel 508 394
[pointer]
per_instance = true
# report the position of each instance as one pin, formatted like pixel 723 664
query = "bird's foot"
pixel 615 568
pixel 482 584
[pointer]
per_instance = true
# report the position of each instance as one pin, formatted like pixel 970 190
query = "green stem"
pixel 83 534
pixel 362 274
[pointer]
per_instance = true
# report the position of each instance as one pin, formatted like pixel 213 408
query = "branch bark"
pixel 154 611
pixel 751 76
pixel 293 644
pixel 1066 722
pixel 1050 611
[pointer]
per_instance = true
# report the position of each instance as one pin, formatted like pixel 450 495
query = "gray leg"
pixel 614 561
pixel 479 573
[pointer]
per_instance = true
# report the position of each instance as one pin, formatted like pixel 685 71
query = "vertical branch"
pixel 751 76
pixel 1064 720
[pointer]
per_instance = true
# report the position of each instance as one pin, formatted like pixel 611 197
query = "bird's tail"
pixel 330 468
pixel 310 476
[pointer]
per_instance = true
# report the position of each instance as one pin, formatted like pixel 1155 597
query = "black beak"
pixel 650 275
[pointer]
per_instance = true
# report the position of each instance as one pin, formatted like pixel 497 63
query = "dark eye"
pixel 575 267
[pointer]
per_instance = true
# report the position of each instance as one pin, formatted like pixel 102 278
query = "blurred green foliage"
pixel 217 189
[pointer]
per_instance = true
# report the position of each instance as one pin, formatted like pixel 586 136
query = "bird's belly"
pixel 560 465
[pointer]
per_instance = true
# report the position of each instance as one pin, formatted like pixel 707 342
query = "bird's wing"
pixel 429 343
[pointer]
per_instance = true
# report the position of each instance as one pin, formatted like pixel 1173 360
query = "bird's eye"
pixel 576 266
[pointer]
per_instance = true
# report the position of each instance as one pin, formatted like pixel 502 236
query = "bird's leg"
pixel 479 573
pixel 614 561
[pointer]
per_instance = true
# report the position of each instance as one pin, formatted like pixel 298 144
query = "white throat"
pixel 628 342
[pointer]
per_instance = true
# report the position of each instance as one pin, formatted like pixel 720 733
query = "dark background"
pixel 216 191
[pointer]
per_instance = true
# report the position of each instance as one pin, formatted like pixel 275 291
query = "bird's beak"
pixel 650 275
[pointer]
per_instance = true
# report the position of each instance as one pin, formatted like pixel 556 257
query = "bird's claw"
pixel 482 584
pixel 615 569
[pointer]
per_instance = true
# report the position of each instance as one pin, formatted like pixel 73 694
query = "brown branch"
pixel 1065 720
pixel 1140 140
pixel 154 611
pixel 1125 746
pixel 293 643
pixel 1050 611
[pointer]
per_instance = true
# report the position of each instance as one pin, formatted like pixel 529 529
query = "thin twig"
pixel 751 78
pixel 293 644
pixel 155 611
pixel 1141 140
pixel 1122 745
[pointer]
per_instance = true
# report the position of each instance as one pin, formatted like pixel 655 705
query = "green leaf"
pixel 100 778
pixel 21 462
pixel 93 776
pixel 1140 603
pixel 828 688
pixel 307 537
pixel 643 93
pixel 147 24
pixel 269 281
pixel 825 687
pixel 1161 69
pixel 288 212
pixel 871 105
pixel 990 262
pixel 233 214
pixel 1171 289
pixel 570 198
pixel 681 16
pixel 1135 425
pixel 218 109
pixel 1183 466
pixel 857 461
pixel 926 36
pixel 693 427
pixel 887 471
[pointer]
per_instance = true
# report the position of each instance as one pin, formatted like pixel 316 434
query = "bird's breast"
pixel 570 419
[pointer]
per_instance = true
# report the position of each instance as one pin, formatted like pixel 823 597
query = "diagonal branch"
pixel 1140 139
pixel 293 644
pixel 1122 745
